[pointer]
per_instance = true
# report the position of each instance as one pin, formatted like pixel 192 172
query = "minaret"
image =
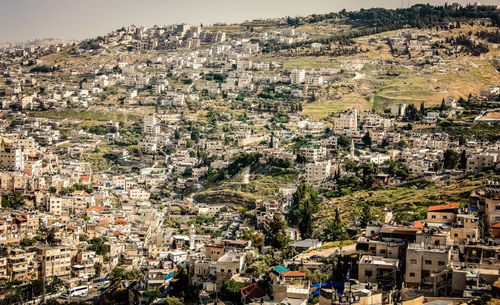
pixel 352 148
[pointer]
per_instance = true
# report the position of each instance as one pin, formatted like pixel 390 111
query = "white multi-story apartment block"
pixel 298 76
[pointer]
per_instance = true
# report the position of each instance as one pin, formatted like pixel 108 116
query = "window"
pixel 445 217
pixel 433 216
pixel 456 235
pixel 441 263
pixel 222 270
pixel 368 272
pixel 428 262
pixel 382 250
pixel 412 274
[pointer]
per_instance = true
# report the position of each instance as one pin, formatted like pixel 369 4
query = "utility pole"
pixel 43 286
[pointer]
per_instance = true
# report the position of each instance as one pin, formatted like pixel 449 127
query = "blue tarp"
pixel 339 287
pixel 169 276
pixel 329 285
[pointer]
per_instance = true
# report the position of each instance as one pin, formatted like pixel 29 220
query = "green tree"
pixel 343 141
pixel 366 216
pixel 231 291
pixel 275 234
pixel 305 204
pixel 317 276
pixel 13 200
pixel 438 166
pixel 412 114
pixel 179 287
pixel 98 269
pixel 172 301
pixel 402 144
pixel 451 159
pixel 97 245
pixel 367 140
pixel 463 160
pixel 151 294
pixel 334 228
pixel 422 109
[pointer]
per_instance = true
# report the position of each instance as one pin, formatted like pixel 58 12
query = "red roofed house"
pixel 292 276
pixel 96 208
pixel 495 230
pixel 291 284
pixel 418 225
pixel 444 213
pixel 120 221
pixel 85 180
pixel 253 292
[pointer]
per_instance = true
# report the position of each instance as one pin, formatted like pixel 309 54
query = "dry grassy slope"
pixel 454 77
pixel 409 198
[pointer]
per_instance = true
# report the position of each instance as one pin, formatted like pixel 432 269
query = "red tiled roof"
pixel 96 208
pixel 21 218
pixel 71 228
pixel 293 273
pixel 85 178
pixel 120 221
pixel 496 225
pixel 27 171
pixel 418 225
pixel 118 232
pixel 443 207
pixel 253 291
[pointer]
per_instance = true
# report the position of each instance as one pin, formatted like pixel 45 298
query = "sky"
pixel 22 20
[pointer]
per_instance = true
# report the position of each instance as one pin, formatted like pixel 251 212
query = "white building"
pixel 317 171
pixel 346 122
pixel 298 76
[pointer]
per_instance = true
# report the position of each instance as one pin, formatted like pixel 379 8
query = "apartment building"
pixel 480 161
pixel 229 264
pixel 20 265
pixel 377 269
pixel 317 171
pixel 55 261
pixel 445 213
pixel 426 265
pixel 346 122
pixel 313 153
pixel 297 76
pixel 12 158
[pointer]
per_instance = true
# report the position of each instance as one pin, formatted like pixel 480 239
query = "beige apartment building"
pixel 317 171
pixel 21 265
pixel 55 261
pixel 228 265
pixel 426 265
pixel 375 269
pixel 444 213
pixel 12 158
pixel 346 122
